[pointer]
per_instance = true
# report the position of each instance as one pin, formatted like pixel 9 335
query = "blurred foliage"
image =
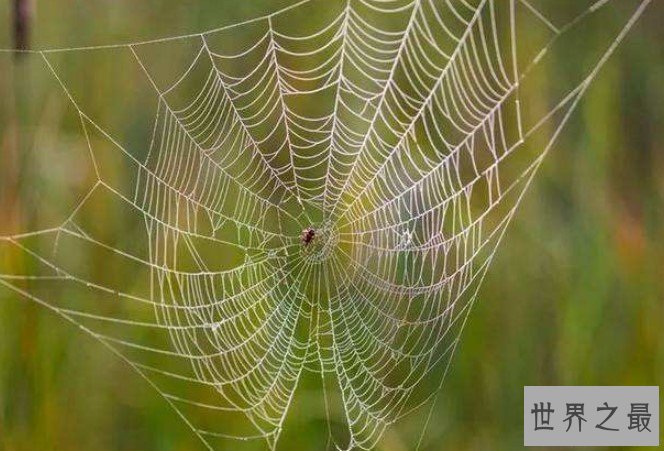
pixel 575 295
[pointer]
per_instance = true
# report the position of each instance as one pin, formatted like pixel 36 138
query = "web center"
pixel 319 242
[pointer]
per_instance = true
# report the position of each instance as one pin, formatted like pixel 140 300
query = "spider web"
pixel 394 128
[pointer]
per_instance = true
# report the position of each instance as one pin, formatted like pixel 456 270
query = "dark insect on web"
pixel 307 236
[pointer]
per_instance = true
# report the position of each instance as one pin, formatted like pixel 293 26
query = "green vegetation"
pixel 575 295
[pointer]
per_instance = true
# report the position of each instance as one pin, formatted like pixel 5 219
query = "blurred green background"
pixel 574 297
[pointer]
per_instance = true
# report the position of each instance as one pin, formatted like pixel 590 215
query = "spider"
pixel 307 236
